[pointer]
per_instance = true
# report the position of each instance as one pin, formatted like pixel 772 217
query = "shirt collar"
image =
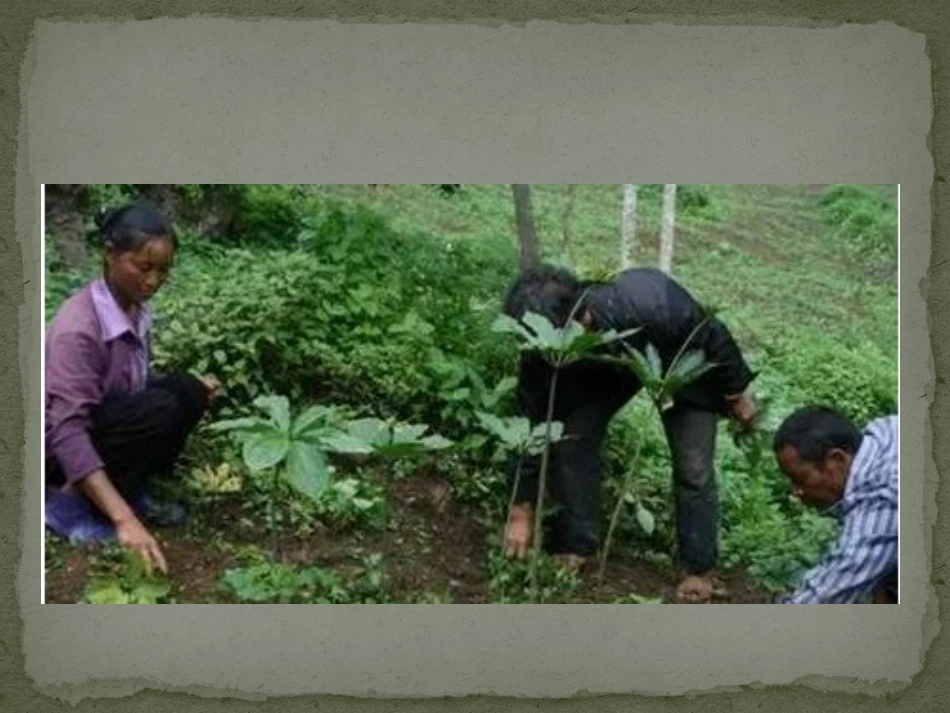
pixel 113 319
pixel 855 474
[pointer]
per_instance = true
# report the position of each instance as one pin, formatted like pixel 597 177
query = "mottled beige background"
pixel 204 100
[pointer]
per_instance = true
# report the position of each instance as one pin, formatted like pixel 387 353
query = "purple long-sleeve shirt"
pixel 94 350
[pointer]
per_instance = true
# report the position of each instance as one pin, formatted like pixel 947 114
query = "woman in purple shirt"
pixel 110 425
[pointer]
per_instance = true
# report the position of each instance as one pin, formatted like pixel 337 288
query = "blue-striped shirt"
pixel 866 551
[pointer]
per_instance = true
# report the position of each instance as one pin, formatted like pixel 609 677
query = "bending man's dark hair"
pixel 550 291
pixel 815 430
pixel 132 225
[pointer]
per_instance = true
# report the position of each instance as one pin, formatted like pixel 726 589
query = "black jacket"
pixel 665 314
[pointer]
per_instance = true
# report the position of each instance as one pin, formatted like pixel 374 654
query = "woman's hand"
pixel 129 530
pixel 132 535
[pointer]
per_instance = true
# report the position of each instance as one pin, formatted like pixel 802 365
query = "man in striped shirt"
pixel 852 475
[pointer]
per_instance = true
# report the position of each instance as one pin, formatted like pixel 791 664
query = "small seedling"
pixel 130 584
pixel 294 448
pixel 559 346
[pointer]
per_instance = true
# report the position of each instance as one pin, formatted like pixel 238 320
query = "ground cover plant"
pixel 359 447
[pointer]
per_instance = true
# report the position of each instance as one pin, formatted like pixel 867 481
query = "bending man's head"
pixel 552 292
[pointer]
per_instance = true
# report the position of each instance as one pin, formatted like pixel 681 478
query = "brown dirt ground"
pixel 432 546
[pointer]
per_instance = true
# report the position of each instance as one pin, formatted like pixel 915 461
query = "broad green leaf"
pixel 251 423
pixel 694 374
pixel 307 469
pixel 264 450
pixel 107 592
pixel 520 428
pixel 502 388
pixel 547 335
pixel 506 324
pixel 149 592
pixel 474 441
pixel 278 407
pixel 656 364
pixel 340 442
pixel 460 394
pixel 490 422
pixel 134 565
pixel 540 431
pixel 612 335
pixel 645 519
pixel 584 344
pixel 408 433
pixel 573 332
pixel 436 442
pixel 311 419
pixel 688 362
pixel 369 430
pixel 641 367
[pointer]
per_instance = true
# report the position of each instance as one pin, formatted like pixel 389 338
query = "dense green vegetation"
pixel 379 302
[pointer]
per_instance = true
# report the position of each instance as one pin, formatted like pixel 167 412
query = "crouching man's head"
pixel 814 448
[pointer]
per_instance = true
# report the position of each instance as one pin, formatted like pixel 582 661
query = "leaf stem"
pixel 542 485
pixel 615 516
pixel 272 520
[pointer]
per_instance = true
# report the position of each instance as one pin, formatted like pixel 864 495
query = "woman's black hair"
pixel 813 431
pixel 132 225
pixel 550 291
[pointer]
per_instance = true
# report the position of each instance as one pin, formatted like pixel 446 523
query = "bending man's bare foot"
pixel 695 589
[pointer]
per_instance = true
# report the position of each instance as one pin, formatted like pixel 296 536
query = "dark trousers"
pixel 576 480
pixel 141 435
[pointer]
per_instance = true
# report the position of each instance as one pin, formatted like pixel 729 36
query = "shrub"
pixel 863 217
pixel 815 369
pixel 357 314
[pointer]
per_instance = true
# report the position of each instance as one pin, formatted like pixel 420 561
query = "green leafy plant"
pixel 559 346
pixel 662 385
pixel 545 581
pixel 126 581
pixel 519 438
pixel 388 437
pixel 294 449
pixel 290 448
pixel 349 502
pixel 465 394
pixel 264 581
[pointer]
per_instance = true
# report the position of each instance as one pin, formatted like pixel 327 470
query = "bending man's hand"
pixel 743 408
pixel 518 531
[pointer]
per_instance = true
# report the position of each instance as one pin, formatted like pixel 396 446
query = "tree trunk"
pixel 66 204
pixel 524 217
pixel 666 230
pixel 628 228
pixel 566 220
